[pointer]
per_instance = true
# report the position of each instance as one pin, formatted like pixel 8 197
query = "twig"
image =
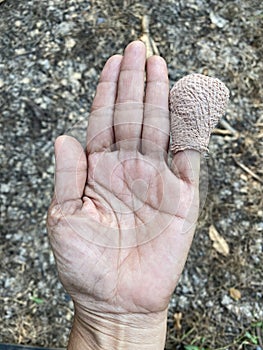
pixel 260 121
pixel 247 170
pixel 227 126
pixel 151 48
pixel 221 132
pixel 259 337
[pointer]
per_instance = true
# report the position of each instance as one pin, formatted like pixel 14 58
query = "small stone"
pixel 243 177
pixel 64 82
pixel 64 28
pixel 217 21
pixel 45 64
pixel 100 20
pixel 20 51
pixel 5 188
pixel 70 43
pixel 2 83
pixel 18 23
pixel 209 304
pixel 25 80
pixel 39 24
pixel 69 316
pixel 34 32
pixel 72 116
pixel 76 76
pixel 183 302
pixel 226 300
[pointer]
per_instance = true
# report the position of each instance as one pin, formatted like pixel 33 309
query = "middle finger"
pixel 128 114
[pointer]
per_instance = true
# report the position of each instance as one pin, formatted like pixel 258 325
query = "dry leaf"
pixel 235 293
pixel 177 321
pixel 219 243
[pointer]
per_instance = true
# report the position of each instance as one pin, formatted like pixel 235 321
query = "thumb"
pixel 186 166
pixel 70 170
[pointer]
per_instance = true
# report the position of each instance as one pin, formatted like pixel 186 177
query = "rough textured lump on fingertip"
pixel 196 104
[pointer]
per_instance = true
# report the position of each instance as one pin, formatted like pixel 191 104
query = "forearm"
pixel 118 332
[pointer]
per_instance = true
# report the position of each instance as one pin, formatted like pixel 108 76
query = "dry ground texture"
pixel 51 54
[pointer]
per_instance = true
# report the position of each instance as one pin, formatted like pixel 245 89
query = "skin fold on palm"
pixel 123 217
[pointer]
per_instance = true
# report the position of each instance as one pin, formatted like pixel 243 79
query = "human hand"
pixel 122 219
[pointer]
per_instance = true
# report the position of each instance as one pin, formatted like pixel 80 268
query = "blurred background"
pixel 51 55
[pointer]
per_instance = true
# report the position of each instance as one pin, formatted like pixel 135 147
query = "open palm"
pixel 122 218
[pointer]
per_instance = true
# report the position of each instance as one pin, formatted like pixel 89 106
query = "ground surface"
pixel 51 53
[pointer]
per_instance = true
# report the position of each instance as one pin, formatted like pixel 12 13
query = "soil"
pixel 51 54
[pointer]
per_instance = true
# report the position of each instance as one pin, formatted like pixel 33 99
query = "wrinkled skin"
pixel 122 219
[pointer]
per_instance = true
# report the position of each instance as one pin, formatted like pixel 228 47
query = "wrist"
pixel 99 331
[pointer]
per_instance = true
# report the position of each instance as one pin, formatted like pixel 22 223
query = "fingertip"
pixel 111 69
pixel 67 148
pixel 137 47
pixel 63 141
pixel 58 144
pixel 60 139
pixel 156 68
pixel 156 59
pixel 136 43
pixel 115 59
pixel 70 169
